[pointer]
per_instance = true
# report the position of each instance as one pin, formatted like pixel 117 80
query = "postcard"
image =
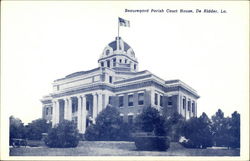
pixel 106 80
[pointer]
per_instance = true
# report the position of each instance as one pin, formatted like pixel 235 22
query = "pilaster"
pixel 79 113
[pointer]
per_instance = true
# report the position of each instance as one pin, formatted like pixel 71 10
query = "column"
pixel 79 113
pixel 69 109
pixel 66 109
pixel 94 107
pixel 152 97
pixel 106 100
pixel 84 113
pixel 178 104
pixel 195 109
pixel 99 103
pixel 54 114
pixel 57 112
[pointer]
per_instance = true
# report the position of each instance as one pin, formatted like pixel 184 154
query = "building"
pixel 117 81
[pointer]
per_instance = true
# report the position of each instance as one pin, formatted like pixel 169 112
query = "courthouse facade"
pixel 81 96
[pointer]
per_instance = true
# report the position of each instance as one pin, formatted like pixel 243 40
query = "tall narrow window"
pixel 130 119
pixel 102 64
pixel 126 61
pixel 156 99
pixel 114 62
pixel 108 63
pixel 161 101
pixel 189 105
pixel 47 110
pixel 193 107
pixel 140 98
pixel 110 79
pixel 184 103
pixel 134 66
pixel 121 100
pixel 51 110
pixel 120 61
pixel 130 100
pixel 110 99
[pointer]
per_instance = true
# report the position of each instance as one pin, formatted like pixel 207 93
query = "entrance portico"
pixel 82 109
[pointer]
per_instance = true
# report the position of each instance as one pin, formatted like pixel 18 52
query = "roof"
pixel 78 73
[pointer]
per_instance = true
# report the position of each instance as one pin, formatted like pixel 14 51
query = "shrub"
pixel 150 120
pixel 91 133
pixel 109 127
pixel 64 135
pixel 160 143
pixel 36 128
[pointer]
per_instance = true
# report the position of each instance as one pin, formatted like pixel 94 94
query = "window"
pixel 193 107
pixel 156 99
pixel 87 105
pixel 130 119
pixel 121 100
pixel 130 100
pixel 184 103
pixel 74 105
pixel 140 98
pixel 102 64
pixel 120 61
pixel 110 99
pixel 51 110
pixel 134 66
pixel 170 103
pixel 189 105
pixel 110 79
pixel 114 62
pixel 126 61
pixel 57 87
pixel 47 110
pixel 161 101
pixel 107 52
pixel 108 63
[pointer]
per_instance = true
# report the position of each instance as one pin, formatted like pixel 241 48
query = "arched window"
pixel 107 52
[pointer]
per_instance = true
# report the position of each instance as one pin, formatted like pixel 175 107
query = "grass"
pixel 118 148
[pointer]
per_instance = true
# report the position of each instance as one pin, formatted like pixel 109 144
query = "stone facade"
pixel 81 96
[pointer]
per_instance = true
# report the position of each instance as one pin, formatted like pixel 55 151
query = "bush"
pixel 150 120
pixel 36 128
pixel 160 143
pixel 64 135
pixel 109 127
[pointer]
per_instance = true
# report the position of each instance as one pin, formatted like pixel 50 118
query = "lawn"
pixel 118 148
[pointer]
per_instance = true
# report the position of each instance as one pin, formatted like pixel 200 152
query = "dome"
pixel 118 46
pixel 114 45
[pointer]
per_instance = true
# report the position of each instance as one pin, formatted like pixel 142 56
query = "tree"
pixel 235 130
pixel 16 128
pixel 109 126
pixel 64 135
pixel 198 131
pixel 36 128
pixel 220 129
pixel 150 120
pixel 174 126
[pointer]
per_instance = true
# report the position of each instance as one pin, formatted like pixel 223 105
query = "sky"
pixel 43 41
